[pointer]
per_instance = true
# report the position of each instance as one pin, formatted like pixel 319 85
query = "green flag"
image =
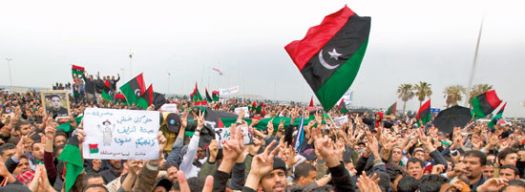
pixel 72 158
pixel 133 89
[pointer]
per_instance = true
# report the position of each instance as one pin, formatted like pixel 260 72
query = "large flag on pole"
pixel 133 89
pixel 330 54
pixel 484 104
pixel 146 99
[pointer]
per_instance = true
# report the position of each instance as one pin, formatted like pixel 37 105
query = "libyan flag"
pixel 215 95
pixel 497 117
pixel 330 54
pixel 196 97
pixel 392 109
pixel 77 71
pixel 146 99
pixel 342 107
pixel 423 114
pixel 133 89
pixel 208 97
pixel 74 165
pixel 107 94
pixel 484 104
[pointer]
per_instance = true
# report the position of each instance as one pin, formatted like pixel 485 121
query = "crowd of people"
pixel 394 155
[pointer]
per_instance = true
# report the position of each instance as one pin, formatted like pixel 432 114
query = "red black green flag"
pixel 484 104
pixel 77 71
pixel 146 99
pixel 330 54
pixel 392 109
pixel 342 107
pixel 107 94
pixel 215 95
pixel 497 117
pixel 196 97
pixel 133 89
pixel 423 114
pixel 208 97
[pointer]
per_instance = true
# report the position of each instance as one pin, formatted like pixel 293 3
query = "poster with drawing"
pixel 223 134
pixel 120 134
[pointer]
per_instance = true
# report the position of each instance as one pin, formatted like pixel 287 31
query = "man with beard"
pixel 474 160
pixel 113 172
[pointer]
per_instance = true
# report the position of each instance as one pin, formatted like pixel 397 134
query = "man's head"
pixel 430 183
pixel 117 164
pixel 38 151
pixel 22 166
pixel 60 139
pixel 509 172
pixel 304 174
pixel 55 101
pixel 276 179
pixel 515 185
pixel 407 184
pixel 7 150
pixel 415 168
pixel 397 154
pixel 419 153
pixel 488 171
pixel 93 179
pixel 95 188
pixel 473 161
pixel 508 156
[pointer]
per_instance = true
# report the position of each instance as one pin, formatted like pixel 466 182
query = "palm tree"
pixel 422 90
pixel 405 93
pixel 454 94
pixel 478 90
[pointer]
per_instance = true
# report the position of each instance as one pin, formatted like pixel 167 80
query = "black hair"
pixel 505 152
pixel 196 183
pixel 407 184
pixel 6 146
pixel 516 171
pixel 516 183
pixel 303 170
pixel 415 160
pixel 86 178
pixel 431 183
pixel 95 186
pixel 480 155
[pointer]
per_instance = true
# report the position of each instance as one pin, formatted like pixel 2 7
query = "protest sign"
pixel 223 134
pixel 229 91
pixel 120 134
pixel 56 103
pixel 246 111
pixel 169 107
pixel 339 121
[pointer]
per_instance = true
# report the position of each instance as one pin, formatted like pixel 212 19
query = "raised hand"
pixel 184 119
pixel 269 127
pixel 214 150
pixel 264 161
pixel 326 148
pixel 185 187
pixel 365 183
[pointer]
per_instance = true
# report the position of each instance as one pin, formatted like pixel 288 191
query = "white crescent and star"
pixel 137 92
pixel 333 54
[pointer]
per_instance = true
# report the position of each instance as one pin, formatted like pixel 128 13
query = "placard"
pixel 120 134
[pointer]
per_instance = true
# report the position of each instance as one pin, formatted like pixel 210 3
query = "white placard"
pixel 339 121
pixel 120 134
pixel 223 134
pixel 229 91
pixel 246 111
pixel 169 107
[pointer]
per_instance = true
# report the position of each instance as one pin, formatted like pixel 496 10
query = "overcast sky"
pixel 410 41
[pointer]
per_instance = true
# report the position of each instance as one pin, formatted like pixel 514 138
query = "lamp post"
pixel 10 72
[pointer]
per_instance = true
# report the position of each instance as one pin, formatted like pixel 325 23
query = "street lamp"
pixel 10 72
pixel 169 79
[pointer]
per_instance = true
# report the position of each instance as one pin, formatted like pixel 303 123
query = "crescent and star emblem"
pixel 334 55
pixel 137 92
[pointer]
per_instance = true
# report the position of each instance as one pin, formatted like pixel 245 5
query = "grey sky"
pixel 409 41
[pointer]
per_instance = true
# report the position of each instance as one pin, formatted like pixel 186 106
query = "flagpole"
pixel 475 62
pixel 130 59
